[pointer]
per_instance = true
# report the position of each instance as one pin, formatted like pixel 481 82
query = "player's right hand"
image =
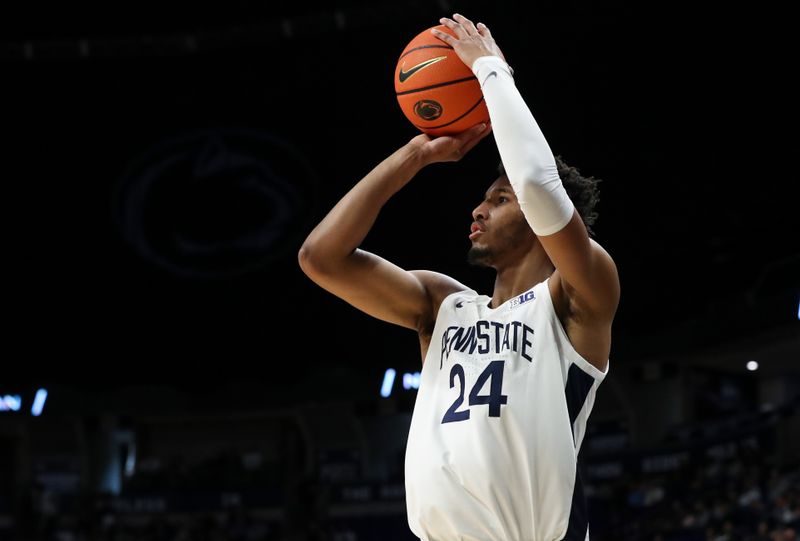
pixel 472 41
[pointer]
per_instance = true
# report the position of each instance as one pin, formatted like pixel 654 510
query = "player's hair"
pixel 583 191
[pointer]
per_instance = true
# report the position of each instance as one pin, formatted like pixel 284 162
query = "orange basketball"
pixel 437 92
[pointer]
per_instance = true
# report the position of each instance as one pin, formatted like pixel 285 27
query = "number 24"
pixel 494 399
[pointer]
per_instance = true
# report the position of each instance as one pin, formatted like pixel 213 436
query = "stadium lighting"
pixel 388 381
pixel 38 402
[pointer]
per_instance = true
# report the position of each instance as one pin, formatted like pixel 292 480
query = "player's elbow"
pixel 309 260
pixel 315 261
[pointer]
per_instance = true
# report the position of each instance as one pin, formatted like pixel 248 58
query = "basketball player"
pixel 508 380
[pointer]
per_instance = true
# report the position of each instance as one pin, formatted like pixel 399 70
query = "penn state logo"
pixel 215 203
pixel 428 109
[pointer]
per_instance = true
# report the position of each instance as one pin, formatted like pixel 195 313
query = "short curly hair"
pixel 583 191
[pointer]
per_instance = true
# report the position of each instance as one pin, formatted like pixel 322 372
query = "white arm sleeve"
pixel 526 156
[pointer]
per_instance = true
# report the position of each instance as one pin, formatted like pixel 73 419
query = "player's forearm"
pixel 344 228
pixel 526 156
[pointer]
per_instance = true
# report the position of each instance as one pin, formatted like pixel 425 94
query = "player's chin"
pixel 478 254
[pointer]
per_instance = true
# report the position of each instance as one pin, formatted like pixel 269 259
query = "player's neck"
pixel 515 279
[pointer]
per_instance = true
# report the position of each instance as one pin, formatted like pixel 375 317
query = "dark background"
pixel 163 162
pixel 676 112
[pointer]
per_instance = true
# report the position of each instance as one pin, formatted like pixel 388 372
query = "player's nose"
pixel 479 212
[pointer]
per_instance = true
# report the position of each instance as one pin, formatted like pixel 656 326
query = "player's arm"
pixel 588 274
pixel 331 256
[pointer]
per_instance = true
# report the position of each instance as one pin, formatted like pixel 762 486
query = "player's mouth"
pixel 476 230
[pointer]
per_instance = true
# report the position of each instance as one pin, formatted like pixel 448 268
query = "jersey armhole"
pixel 576 357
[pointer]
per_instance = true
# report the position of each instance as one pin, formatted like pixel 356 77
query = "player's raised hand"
pixel 471 41
pixel 449 148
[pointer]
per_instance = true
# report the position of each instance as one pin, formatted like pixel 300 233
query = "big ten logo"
pixel 525 297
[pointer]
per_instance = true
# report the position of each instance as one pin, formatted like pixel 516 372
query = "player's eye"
pixel 502 199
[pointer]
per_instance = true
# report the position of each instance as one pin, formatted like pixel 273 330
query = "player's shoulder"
pixel 438 287
pixel 599 249
pixel 600 297
pixel 607 275
pixel 438 283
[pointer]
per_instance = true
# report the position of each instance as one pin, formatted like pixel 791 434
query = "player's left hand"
pixel 472 42
pixel 449 148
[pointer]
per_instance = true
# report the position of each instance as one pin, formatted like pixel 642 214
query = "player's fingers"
pixel 475 135
pixel 468 134
pixel 466 23
pixel 455 27
pixel 445 37
pixel 483 30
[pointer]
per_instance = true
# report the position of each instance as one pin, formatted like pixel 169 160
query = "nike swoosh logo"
pixel 404 75
pixel 487 77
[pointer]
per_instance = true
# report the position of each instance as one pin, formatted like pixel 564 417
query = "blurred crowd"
pixel 743 497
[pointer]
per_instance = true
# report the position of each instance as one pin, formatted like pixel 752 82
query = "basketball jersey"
pixel 498 421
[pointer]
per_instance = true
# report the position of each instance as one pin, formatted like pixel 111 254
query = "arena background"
pixel 168 371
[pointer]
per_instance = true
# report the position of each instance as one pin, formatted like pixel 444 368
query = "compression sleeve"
pixel 526 156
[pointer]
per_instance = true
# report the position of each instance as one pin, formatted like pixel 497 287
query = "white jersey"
pixel 498 422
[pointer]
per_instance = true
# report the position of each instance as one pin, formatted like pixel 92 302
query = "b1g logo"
pixel 525 297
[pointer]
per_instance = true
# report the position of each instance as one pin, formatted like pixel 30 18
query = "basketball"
pixel 436 91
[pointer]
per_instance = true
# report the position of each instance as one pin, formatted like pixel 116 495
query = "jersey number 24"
pixel 495 398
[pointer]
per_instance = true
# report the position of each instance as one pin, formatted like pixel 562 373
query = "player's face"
pixel 499 229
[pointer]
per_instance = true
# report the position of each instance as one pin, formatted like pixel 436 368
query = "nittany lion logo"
pixel 428 109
